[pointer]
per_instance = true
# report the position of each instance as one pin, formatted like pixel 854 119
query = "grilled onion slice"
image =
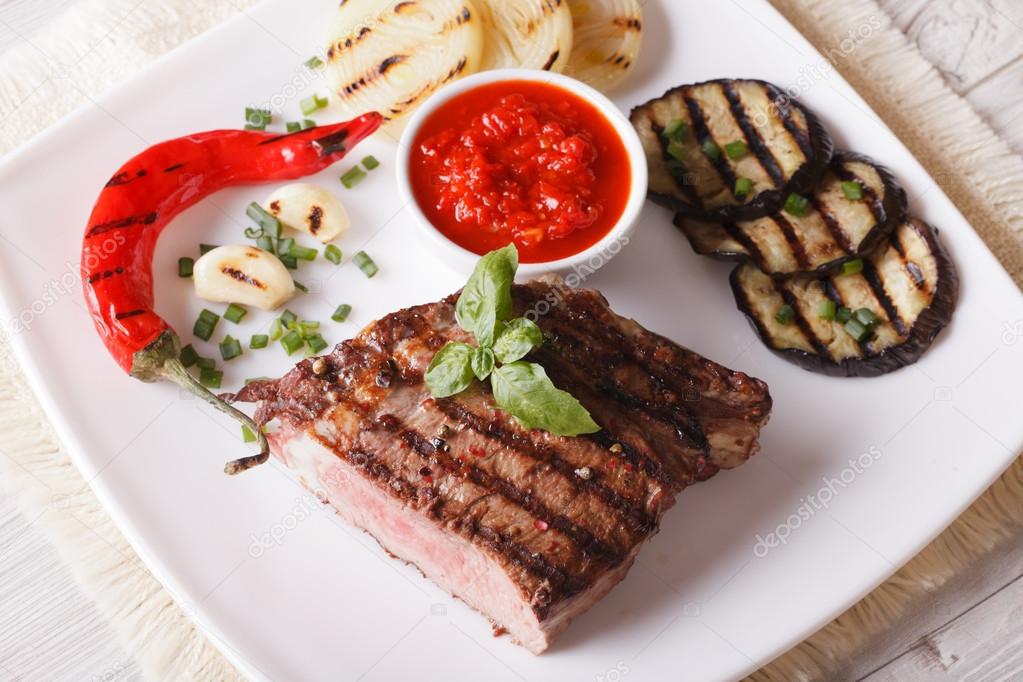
pixel 606 41
pixel 834 229
pixel 686 133
pixel 389 55
pixel 909 283
pixel 527 34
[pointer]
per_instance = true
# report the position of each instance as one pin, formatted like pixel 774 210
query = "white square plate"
pixel 288 592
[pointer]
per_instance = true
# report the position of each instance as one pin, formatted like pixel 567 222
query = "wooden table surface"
pixel 971 628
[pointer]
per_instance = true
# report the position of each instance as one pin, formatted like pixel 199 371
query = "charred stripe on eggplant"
pixel 909 285
pixel 751 136
pixel 837 229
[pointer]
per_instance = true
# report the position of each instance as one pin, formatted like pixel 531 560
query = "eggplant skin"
pixel 893 206
pixel 925 328
pixel 802 181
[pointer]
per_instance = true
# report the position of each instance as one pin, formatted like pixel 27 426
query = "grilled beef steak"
pixel 529 528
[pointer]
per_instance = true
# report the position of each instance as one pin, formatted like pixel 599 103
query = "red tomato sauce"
pixel 520 161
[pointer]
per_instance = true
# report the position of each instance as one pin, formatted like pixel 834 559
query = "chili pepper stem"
pixel 160 361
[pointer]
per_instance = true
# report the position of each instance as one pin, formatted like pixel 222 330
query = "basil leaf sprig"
pixel 520 388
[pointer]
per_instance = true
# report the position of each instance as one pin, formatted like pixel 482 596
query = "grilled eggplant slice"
pixel 904 296
pixel 854 208
pixel 728 150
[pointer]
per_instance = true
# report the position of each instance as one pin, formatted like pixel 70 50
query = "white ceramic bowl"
pixel 464 260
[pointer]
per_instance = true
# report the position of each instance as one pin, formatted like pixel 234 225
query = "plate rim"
pixel 77 452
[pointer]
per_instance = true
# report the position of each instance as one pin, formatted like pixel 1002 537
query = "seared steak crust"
pixel 556 513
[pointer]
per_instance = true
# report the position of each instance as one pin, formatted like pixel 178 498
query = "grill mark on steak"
pixel 630 522
pixel 554 514
pixel 679 368
pixel 582 537
pixel 687 427
pixel 637 519
pixel 562 586
pixel 635 443
pixel 591 357
pixel 582 554
pixel 499 542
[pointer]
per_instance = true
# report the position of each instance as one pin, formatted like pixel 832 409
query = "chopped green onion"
pixel 827 310
pixel 268 222
pixel 284 246
pixel 676 130
pixel 853 190
pixel 290 262
pixel 259 341
pixel 365 263
pixel 321 101
pixel 252 380
pixel 316 343
pixel 266 243
pixel 785 315
pixel 853 267
pixel 859 331
pixel 287 317
pixel 308 327
pixel 353 177
pixel 258 119
pixel 185 267
pixel 292 341
pixel 211 378
pixel 206 248
pixel 205 324
pixel 301 287
pixel 314 62
pixel 253 232
pixel 276 329
pixel 370 163
pixel 867 318
pixel 342 313
pixel 797 205
pixel 235 313
pixel 743 186
pixel 247 435
pixel 206 363
pixel 230 348
pixel 676 151
pixel 188 356
pixel 736 150
pixel 302 252
pixel 843 315
pixel 309 105
pixel 307 124
pixel 293 126
pixel 711 149
pixel 332 253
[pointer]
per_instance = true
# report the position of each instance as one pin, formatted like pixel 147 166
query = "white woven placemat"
pixel 98 43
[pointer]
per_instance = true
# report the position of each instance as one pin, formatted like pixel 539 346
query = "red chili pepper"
pixel 144 196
